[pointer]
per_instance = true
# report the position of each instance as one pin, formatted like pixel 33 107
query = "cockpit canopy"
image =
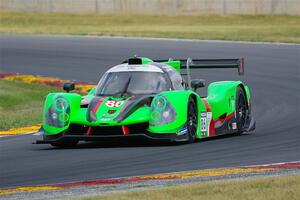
pixel 147 79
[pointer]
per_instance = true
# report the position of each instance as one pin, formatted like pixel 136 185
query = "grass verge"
pixel 271 188
pixel 246 28
pixel 21 104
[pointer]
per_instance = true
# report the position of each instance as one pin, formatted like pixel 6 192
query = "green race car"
pixel 150 99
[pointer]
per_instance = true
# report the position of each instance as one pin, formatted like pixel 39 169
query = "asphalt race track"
pixel 272 71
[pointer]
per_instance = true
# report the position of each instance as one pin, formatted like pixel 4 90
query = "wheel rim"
pixel 192 120
pixel 242 110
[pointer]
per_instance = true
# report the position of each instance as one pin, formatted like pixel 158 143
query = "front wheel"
pixel 192 120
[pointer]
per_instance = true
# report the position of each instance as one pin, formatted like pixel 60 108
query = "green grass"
pixel 21 104
pixel 246 28
pixel 274 188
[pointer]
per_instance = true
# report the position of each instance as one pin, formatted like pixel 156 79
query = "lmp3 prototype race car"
pixel 151 99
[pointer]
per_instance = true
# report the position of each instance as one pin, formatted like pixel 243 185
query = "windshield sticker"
pixel 141 68
pixel 114 104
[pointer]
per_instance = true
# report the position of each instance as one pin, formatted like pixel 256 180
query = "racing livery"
pixel 151 99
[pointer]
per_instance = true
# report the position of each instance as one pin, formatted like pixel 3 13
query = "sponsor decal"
pixel 234 125
pixel 131 68
pixel 111 112
pixel 209 118
pixel 183 131
pixel 210 122
pixel 203 123
pixel 105 118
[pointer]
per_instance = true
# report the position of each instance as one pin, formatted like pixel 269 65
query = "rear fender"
pixel 248 94
pixel 222 97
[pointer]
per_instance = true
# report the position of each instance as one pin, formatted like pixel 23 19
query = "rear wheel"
pixel 192 120
pixel 241 110
pixel 65 143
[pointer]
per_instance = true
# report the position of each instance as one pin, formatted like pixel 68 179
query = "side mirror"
pixel 68 86
pixel 197 83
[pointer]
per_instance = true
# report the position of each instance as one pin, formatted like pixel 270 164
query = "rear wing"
pixel 209 64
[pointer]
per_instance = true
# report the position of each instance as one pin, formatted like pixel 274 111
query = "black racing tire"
pixel 65 143
pixel 241 111
pixel 192 120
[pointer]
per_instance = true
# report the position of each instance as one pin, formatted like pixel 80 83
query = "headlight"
pixel 58 114
pixel 161 112
pixel 61 104
pixel 155 116
pixel 160 103
pixel 54 116
pixel 166 113
pixel 63 117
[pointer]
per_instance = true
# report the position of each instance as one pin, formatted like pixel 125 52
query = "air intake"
pixel 135 61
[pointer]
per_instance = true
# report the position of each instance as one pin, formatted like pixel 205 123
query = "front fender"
pixel 178 101
pixel 54 123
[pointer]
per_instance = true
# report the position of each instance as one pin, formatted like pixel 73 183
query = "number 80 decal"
pixel 113 104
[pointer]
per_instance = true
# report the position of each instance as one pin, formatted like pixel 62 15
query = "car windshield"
pixel 132 83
